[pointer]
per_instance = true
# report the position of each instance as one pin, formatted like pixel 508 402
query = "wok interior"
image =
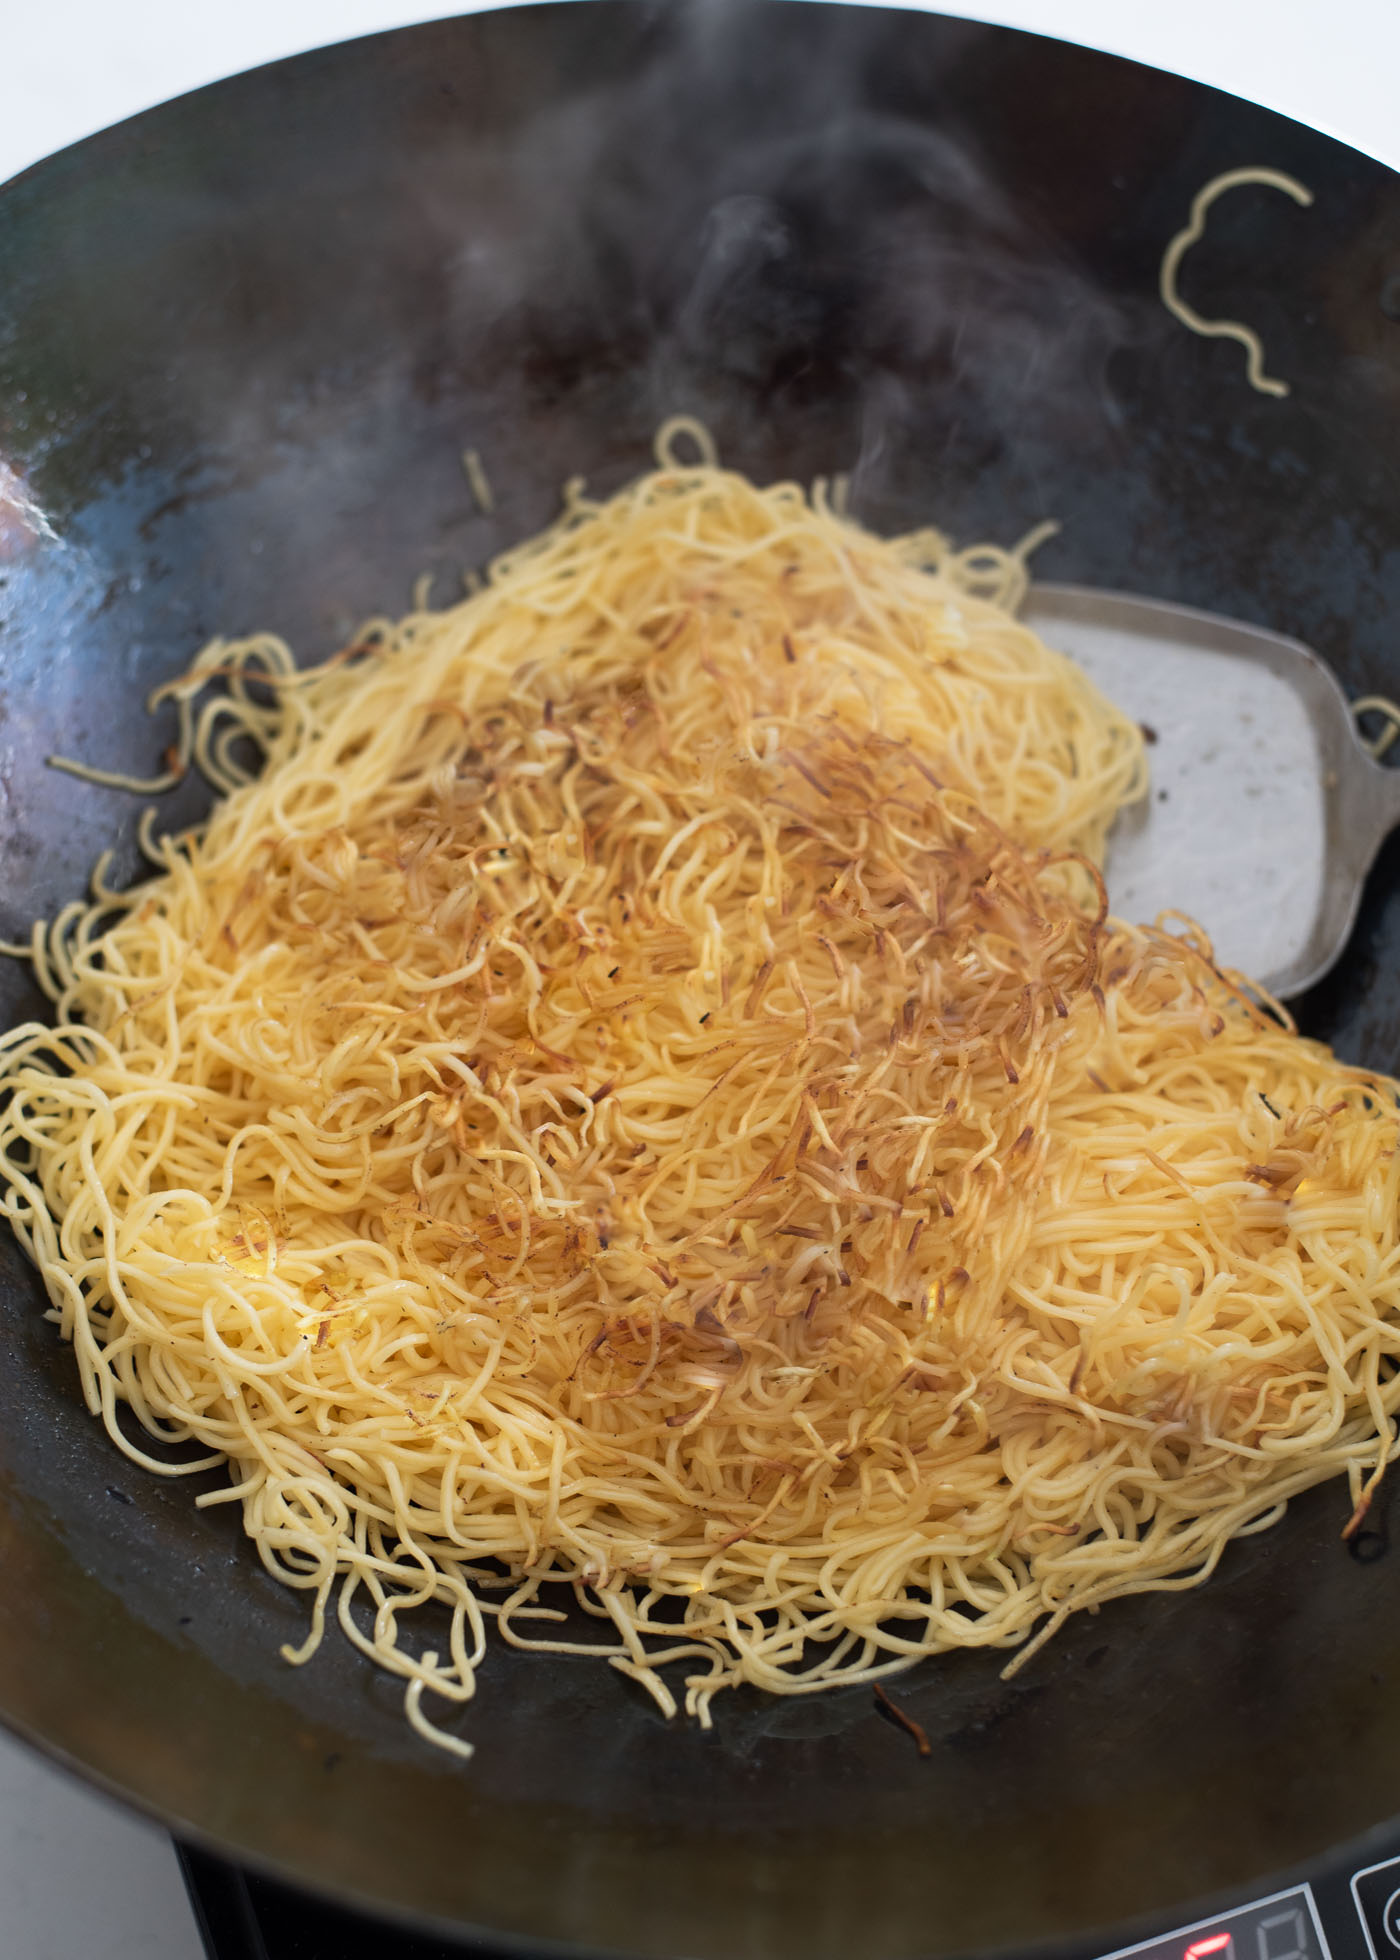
pixel 243 342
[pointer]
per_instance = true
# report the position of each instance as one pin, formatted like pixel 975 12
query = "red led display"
pixel 1214 1943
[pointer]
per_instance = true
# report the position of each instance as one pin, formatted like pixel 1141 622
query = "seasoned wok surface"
pixel 243 341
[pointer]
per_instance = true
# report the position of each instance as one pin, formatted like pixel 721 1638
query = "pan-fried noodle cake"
pixel 638 1092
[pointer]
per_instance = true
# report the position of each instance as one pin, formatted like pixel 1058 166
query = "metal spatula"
pixel 1266 809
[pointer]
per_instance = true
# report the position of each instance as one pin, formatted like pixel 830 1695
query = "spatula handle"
pixel 1363 807
pixel 1361 802
pixel 1372 798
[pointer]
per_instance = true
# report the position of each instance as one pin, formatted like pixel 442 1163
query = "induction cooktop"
pixel 1347 1911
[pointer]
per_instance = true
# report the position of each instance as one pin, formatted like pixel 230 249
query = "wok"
pixel 243 341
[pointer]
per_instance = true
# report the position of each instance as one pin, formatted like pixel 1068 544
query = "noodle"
pixel 1190 235
pixel 639 1093
pixel 1382 705
pixel 479 481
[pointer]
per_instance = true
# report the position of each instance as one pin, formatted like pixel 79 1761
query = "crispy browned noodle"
pixel 638 1092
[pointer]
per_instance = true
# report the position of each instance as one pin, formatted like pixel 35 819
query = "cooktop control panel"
pixel 1344 1914
pixel 1284 1926
pixel 1350 1913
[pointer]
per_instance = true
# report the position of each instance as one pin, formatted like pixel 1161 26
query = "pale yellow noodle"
pixel 1191 234
pixel 479 481
pixel 638 1093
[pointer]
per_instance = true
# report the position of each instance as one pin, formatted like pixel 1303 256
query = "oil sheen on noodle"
pixel 638 1093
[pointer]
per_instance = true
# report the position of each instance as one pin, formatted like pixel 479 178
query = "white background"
pixel 80 1879
pixel 69 66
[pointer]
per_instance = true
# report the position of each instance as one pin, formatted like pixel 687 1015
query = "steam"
pixel 694 217
pixel 768 246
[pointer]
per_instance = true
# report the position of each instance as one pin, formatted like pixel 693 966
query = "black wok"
pixel 243 341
